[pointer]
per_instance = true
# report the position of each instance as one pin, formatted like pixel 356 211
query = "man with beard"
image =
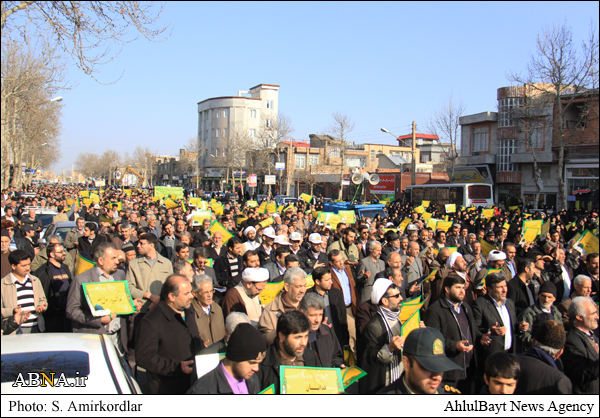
pixel 424 363
pixel 89 242
pixel 368 268
pixel 288 349
pixel 497 260
pixel 199 265
pixel 519 288
pixel 236 373
pixel 413 266
pixel 380 347
pixel 56 278
pixel 124 237
pixel 347 248
pixel 168 339
pixel 590 268
pixel 581 349
pixel 244 296
pixel 543 310
pixel 436 284
pixel 294 289
pixel 251 241
pixel 313 257
pixel 266 247
pixel 295 243
pixel 321 338
pixel 454 319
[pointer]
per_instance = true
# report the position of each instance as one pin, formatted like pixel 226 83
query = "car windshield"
pixel 371 213
pixel 71 363
pixel 46 218
pixel 62 231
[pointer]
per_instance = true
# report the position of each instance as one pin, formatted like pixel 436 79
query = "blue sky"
pixel 383 64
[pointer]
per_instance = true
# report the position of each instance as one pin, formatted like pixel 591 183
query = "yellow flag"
pixel 408 310
pixel 306 197
pixel 432 223
pixel 271 207
pixel 87 201
pixel 201 215
pixel 251 203
pixel 309 281
pixel 266 222
pixel 588 241
pixel 426 203
pixel 488 213
pixel 486 247
pixel 443 225
pixel 529 235
pixel 348 216
pixel 218 208
pixel 84 193
pixel 506 226
pixel 83 265
pixel 216 226
pixel 426 215
pixel 170 204
pixel 270 292
pixel 452 249
pixel 419 209
pixel 451 208
pixel 403 225
pixel 411 324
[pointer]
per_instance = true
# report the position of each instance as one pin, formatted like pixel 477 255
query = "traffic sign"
pixel 279 166
pixel 270 179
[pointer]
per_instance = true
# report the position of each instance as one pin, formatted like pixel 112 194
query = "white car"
pixel 81 363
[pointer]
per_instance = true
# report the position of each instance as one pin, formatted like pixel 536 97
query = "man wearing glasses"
pixel 381 342
pixel 208 314
pixel 56 278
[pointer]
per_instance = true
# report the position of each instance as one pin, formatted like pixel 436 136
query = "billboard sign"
pixel 252 180
pixel 270 179
pixel 386 185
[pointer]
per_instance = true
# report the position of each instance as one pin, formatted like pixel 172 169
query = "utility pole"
pixel 290 155
pixel 414 148
pixel 342 150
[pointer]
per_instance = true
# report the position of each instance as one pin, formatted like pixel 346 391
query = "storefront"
pixel 582 184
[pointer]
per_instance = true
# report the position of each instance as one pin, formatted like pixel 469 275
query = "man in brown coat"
pixel 344 280
pixel 208 314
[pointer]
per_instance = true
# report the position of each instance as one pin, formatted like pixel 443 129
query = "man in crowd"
pixel 168 240
pixel 264 250
pixel 20 288
pixel 230 266
pixel 294 289
pixel 72 237
pixel 581 349
pixel 244 296
pixel 454 319
pixel 208 314
pixel 321 338
pixel 89 242
pixel 536 315
pixel 277 268
pixel 583 287
pixel 236 374
pixel 368 268
pixel 518 288
pixel 541 372
pixel 288 348
pixel 55 277
pixel 313 257
pixel 343 280
pixel 168 340
pixel 501 374
pixel 424 364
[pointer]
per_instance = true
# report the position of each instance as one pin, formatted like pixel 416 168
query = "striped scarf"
pixel 388 316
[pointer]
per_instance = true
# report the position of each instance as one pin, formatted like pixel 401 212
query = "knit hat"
pixel 548 287
pixel 4 233
pixel 245 344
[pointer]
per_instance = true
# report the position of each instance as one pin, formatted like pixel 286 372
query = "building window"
pixel 334 152
pixel 252 133
pixel 300 160
pixel 425 158
pixel 480 139
pixel 354 161
pixel 506 147
pixel 269 123
pixel 536 135
pixel 505 114
pixel 225 132
pixel 253 113
pixel 217 113
pixel 313 159
pixel 225 113
pixel 269 104
pixel 372 155
pixel 216 133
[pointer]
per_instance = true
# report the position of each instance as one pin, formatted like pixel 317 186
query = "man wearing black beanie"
pixel 543 310
pixel 235 375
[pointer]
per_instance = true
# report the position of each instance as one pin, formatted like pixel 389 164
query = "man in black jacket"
pixel 541 369
pixel 229 267
pixel 88 243
pixel 313 257
pixel 56 278
pixel 518 288
pixel 246 349
pixel 168 339
pixel 454 319
pixel 321 339
pixel 581 349
pixel 333 299
pixel 289 348
pixel 494 313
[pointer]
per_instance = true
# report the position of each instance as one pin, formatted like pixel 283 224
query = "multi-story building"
pixel 178 171
pixel 522 135
pixel 220 117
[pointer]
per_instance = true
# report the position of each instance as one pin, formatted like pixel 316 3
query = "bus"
pixel 461 194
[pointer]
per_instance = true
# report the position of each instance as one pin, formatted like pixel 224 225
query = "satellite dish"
pixel 374 179
pixel 356 178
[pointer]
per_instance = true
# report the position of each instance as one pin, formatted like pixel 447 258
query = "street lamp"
pixel 413 164
pixel 57 99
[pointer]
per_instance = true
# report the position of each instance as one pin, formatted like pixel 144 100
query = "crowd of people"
pixel 498 314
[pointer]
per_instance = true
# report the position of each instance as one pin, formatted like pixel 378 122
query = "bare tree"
pixel 31 75
pixel 85 30
pixel 340 128
pixel 445 124
pixel 266 152
pixel 569 74
pixel 143 160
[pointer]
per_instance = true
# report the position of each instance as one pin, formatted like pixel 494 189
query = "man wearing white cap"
pixel 295 243
pixel 313 257
pixel 244 296
pixel 251 243
pixel 497 260
pixel 381 343
pixel 265 249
